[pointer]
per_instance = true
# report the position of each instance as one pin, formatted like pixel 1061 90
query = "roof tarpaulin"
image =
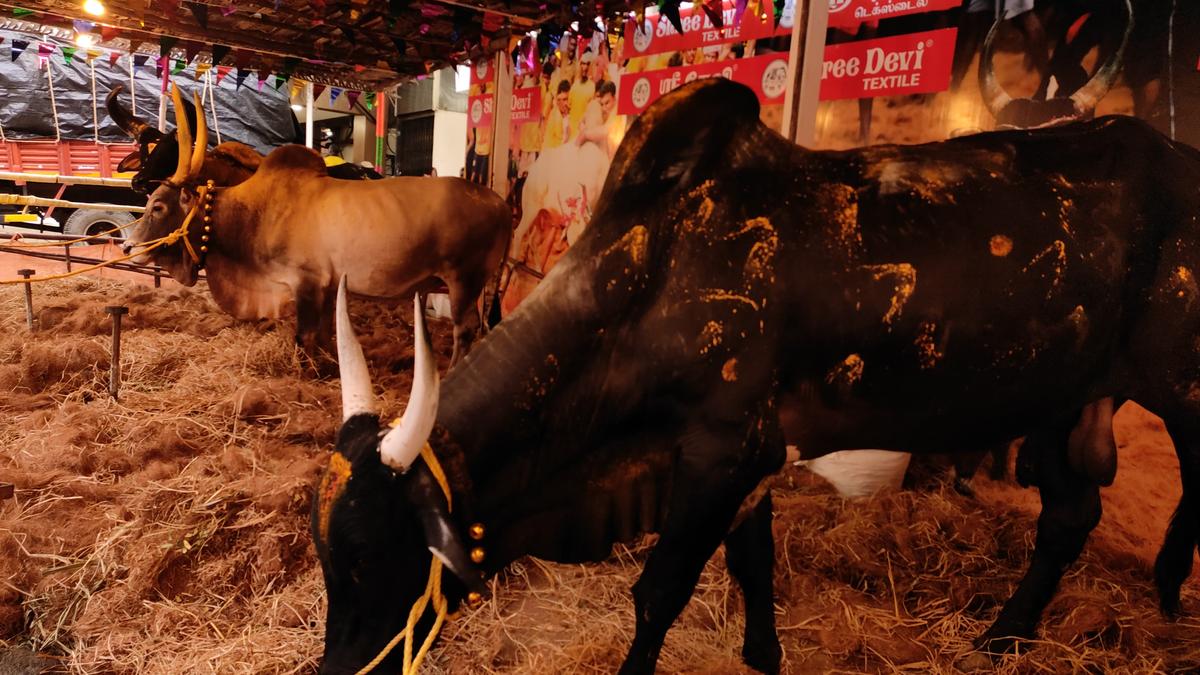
pixel 262 119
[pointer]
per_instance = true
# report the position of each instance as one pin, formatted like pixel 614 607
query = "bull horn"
pixel 122 116
pixel 184 135
pixel 993 94
pixel 1086 98
pixel 201 139
pixel 358 396
pixel 401 445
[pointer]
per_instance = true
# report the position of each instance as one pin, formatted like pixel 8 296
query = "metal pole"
pixel 114 373
pixel 309 123
pixel 67 252
pixel 380 128
pixel 807 58
pixel 28 297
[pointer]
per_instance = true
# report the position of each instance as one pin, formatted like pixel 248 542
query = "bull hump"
pixel 293 158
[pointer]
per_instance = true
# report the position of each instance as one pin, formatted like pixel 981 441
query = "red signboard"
pixel 479 111
pixel 527 104
pixel 850 13
pixel 918 63
pixel 658 36
pixel 766 75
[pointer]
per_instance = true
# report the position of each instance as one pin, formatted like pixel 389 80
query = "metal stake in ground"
pixel 28 297
pixel 114 373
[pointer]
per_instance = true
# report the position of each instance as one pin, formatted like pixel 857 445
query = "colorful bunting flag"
pixel 93 54
pixel 169 8
pixel 200 12
pixel 139 60
pixel 82 26
pixel 68 54
pixel 222 71
pixel 202 68
pixel 739 10
pixel 241 76
pixel 19 12
pixel 289 65
pixel 165 43
pixel 318 89
pixel 370 100
pixel 219 52
pixel 279 80
pixel 352 98
pixel 108 33
pixel 190 50
pixel 18 47
pixel 45 50
pixel 178 66
pixel 112 58
pixel 334 93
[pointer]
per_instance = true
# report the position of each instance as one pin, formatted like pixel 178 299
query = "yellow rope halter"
pixel 433 593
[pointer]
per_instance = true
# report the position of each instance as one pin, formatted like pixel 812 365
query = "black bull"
pixel 734 292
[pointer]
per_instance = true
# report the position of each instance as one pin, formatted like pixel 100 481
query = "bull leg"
pixel 717 469
pixel 464 311
pixel 1174 562
pixel 314 325
pixel 1070 510
pixel 750 557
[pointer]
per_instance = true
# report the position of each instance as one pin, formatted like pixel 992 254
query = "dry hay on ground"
pixel 167 532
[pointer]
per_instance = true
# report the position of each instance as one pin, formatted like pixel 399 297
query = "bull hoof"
pixel 997 642
pixel 763 657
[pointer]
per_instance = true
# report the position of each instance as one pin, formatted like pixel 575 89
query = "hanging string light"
pixel 94 7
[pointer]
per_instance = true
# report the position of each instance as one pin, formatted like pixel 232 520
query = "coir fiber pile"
pixel 167 532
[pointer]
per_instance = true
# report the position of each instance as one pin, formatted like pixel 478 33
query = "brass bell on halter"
pixel 474 599
pixel 478 555
pixel 204 238
pixel 204 249
pixel 476 531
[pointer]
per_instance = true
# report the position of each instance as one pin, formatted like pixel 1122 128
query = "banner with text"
pixel 850 13
pixel 658 36
pixel 527 105
pixel 766 75
pixel 918 63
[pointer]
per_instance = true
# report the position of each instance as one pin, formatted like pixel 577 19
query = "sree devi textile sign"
pixel 918 63
pixel 658 36
pixel 850 13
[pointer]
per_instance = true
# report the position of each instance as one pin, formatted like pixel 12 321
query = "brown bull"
pixel 278 228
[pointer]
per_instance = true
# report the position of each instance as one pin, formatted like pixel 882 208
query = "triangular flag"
pixel 82 26
pixel 279 80
pixel 334 93
pixel 318 89
pixel 241 59
pixel 169 7
pixel 139 60
pixel 670 9
pixel 93 54
pixel 112 58
pixel 222 71
pixel 178 66
pixel 68 54
pixel 165 43
pixel 45 50
pixel 241 77
pixel 190 50
pixel 1 40
pixel 200 12
pixel 289 65
pixel 202 68
pixel 260 83
pixel 370 99
pixel 712 9
pixel 19 12
pixel 739 10
pixel 352 97
pixel 778 11
pixel 108 33
pixel 219 52
pixel 134 43
pixel 18 47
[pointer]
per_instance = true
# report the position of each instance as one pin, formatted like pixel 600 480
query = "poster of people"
pixel 894 71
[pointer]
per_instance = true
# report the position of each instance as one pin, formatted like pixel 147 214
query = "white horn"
pixel 358 396
pixel 183 134
pixel 400 447
pixel 201 143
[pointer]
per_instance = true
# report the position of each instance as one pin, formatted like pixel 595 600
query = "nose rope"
pixel 17 243
pixel 433 593
pixel 146 247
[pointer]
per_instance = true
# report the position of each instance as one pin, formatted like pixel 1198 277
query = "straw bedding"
pixel 167 532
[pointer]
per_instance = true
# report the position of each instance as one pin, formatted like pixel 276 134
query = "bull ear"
pixel 131 163
pixel 441 534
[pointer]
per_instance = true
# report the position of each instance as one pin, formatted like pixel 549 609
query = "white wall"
pixel 449 142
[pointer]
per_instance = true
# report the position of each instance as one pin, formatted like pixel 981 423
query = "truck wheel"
pixel 86 222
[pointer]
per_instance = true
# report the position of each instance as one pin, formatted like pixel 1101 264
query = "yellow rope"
pixel 47 244
pixel 89 268
pixel 433 592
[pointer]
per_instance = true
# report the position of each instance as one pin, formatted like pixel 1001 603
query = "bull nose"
pixel 127 248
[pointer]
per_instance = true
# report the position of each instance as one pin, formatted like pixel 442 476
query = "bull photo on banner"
pixel 893 72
